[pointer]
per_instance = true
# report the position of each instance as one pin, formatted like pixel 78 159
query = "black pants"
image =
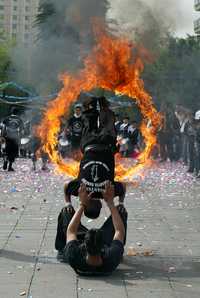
pixel 197 157
pixel 65 217
pixel 177 147
pixel 11 150
pixel 166 146
pixel 75 142
pixel 185 148
pixel 73 187
pixel 191 153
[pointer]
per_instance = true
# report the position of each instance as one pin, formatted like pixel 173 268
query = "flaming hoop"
pixel 112 66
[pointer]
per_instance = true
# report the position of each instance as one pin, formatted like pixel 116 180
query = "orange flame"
pixel 111 66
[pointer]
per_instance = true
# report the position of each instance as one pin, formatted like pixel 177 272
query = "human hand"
pixel 83 195
pixel 109 194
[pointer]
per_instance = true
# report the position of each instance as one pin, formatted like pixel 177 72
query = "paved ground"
pixel 163 233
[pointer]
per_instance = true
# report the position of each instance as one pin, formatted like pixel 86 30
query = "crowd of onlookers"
pixel 128 135
pixel 178 137
pixel 18 138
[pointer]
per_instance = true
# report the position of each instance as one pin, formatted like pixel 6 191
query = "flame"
pixel 111 65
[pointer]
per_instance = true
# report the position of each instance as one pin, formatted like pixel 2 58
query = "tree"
pixel 5 58
pixel 175 75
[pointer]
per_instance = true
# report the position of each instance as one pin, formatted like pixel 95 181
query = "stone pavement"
pixel 163 238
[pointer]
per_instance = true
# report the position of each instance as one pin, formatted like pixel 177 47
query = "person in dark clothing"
pixel 107 131
pixel 197 144
pixel 133 132
pixel 2 146
pixel 98 164
pixel 75 126
pixel 95 251
pixel 118 124
pixel 98 144
pixel 197 151
pixel 98 126
pixel 169 135
pixel 12 128
pixel 176 134
pixel 191 135
pixel 124 127
pixel 95 169
pixel 123 138
pixel 90 123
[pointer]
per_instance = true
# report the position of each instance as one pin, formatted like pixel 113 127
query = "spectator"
pixel 118 123
pixel 75 126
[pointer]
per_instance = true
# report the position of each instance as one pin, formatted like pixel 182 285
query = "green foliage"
pixel 5 59
pixel 175 76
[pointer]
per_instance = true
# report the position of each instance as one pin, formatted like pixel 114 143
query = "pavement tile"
pixel 163 217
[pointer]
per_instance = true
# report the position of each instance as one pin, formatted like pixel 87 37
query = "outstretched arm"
pixel 116 218
pixel 74 224
pixel 76 219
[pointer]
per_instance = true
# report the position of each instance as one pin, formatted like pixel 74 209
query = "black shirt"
pixel 75 255
pixel 76 125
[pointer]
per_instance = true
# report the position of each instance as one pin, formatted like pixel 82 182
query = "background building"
pixel 17 19
pixel 197 22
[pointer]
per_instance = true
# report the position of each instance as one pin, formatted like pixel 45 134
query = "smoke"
pixel 146 21
pixel 62 41
pixel 66 36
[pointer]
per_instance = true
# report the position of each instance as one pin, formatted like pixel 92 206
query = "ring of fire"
pixel 111 65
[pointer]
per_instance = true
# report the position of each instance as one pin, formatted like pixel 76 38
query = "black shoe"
pixel 5 165
pixel 45 168
pixel 10 169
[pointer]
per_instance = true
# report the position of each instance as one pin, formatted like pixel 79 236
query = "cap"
pixel 78 105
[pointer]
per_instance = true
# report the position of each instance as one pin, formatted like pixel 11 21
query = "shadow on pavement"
pixel 131 268
pixel 20 257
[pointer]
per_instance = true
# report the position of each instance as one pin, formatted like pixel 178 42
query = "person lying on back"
pixel 95 251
